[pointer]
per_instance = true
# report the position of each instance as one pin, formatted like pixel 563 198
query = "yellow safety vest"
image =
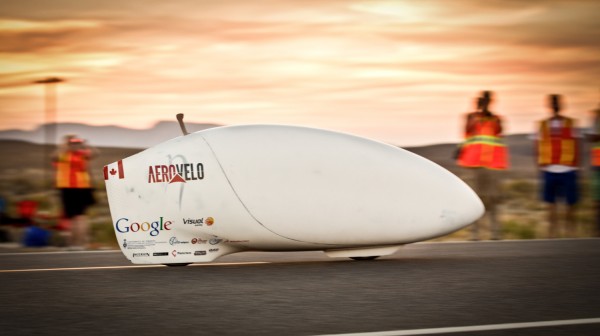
pixel 558 147
pixel 596 147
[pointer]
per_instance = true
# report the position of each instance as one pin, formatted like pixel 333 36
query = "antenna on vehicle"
pixel 181 124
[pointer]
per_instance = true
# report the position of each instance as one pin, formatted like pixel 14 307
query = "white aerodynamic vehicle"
pixel 224 190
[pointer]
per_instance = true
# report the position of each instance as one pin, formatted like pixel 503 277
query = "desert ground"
pixel 23 176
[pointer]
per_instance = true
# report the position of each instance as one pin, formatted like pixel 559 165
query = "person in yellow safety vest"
pixel 557 148
pixel 485 152
pixel 594 138
pixel 75 186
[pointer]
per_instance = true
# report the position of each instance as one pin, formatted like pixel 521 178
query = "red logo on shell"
pixel 209 221
pixel 174 253
pixel 194 240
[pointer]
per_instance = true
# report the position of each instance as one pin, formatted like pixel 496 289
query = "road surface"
pixel 549 287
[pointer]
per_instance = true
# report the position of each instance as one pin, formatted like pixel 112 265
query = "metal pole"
pixel 50 123
pixel 50 129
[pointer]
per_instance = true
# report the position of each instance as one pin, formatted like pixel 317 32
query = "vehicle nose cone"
pixel 462 209
pixel 471 208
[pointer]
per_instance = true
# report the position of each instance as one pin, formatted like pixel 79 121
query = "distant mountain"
pixel 125 142
pixel 520 145
pixel 521 155
pixel 108 136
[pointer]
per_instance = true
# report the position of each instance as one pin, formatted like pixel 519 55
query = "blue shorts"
pixel 561 186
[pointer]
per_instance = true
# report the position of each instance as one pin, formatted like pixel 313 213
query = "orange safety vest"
pixel 484 146
pixel 596 155
pixel 71 170
pixel 596 146
pixel 558 147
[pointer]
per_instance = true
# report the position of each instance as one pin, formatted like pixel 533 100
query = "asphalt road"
pixel 428 285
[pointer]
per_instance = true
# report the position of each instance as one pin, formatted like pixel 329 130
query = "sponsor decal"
pixel 210 221
pixel 175 241
pixel 200 253
pixel 141 255
pixel 160 254
pixel 175 253
pixel 235 241
pixel 193 221
pixel 122 225
pixel 215 241
pixel 175 173
pixel 198 241
pixel 213 250
pixel 114 170
pixel 140 244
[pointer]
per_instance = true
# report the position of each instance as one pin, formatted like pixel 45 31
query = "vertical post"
pixel 50 123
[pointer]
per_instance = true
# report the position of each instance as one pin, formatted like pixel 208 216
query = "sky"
pixel 402 72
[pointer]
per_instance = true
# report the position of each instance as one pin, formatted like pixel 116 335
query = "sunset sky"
pixel 402 72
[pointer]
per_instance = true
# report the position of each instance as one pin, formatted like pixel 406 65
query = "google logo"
pixel 154 227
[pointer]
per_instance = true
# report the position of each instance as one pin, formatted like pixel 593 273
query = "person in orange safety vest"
pixel 483 146
pixel 594 138
pixel 485 153
pixel 557 148
pixel 75 186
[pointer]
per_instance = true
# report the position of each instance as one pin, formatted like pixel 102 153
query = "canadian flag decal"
pixel 110 171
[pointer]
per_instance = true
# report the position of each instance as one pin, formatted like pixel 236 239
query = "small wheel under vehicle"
pixel 364 258
pixel 177 265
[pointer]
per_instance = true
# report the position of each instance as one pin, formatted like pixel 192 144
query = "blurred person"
pixel 4 220
pixel 594 138
pixel 470 116
pixel 3 210
pixel 485 153
pixel 557 149
pixel 73 179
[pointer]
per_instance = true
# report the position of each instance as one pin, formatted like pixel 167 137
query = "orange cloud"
pixel 372 67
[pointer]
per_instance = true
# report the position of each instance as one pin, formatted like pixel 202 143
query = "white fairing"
pixel 279 188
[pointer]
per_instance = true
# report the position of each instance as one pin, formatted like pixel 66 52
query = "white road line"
pixel 505 326
pixel 57 252
pixel 503 241
pixel 123 267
